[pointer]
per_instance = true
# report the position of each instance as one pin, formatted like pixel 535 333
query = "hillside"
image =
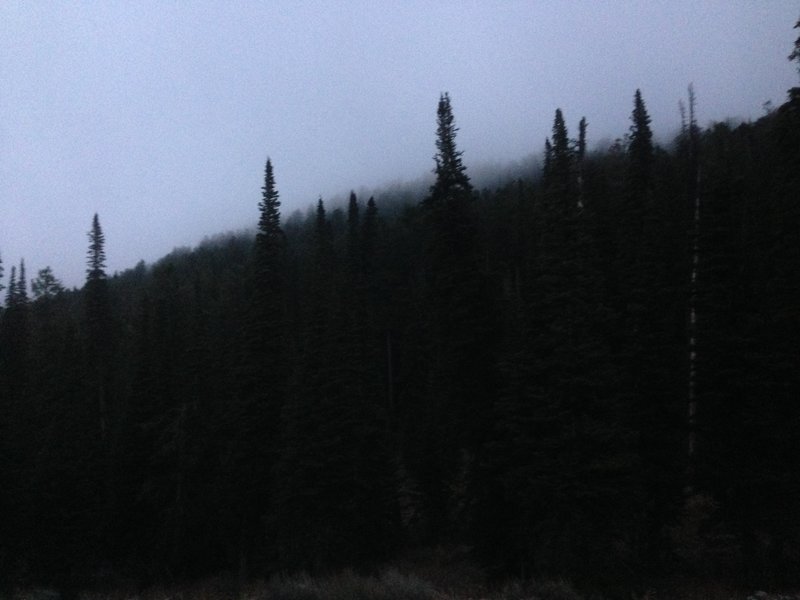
pixel 589 375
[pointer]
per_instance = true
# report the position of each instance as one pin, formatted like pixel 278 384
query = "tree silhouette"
pixel 640 146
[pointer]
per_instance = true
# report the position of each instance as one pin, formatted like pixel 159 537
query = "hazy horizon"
pixel 159 117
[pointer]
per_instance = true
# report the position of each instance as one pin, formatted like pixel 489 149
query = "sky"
pixel 159 116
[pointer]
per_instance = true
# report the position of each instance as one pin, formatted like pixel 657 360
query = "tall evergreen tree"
pixel 460 335
pixel 98 322
pixel 101 393
pixel 263 373
pixel 452 183
pixel 17 433
pixel 560 172
pixel 12 287
pixel 640 146
pixel 22 284
pixel 353 235
pixel 270 239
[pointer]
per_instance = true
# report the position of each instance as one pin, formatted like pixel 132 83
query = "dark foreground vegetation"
pixel 590 375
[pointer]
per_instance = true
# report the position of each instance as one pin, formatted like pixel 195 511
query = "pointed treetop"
pixel 96 255
pixel 558 154
pixel 352 209
pixel 321 221
pixel 640 147
pixel 560 136
pixel 11 295
pixel 548 157
pixel 17 294
pixel 353 234
pixel 581 149
pixel 451 174
pixel 269 222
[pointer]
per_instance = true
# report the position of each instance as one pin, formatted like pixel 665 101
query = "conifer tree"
pixel 452 183
pixel 98 317
pixel 640 147
pixel 459 334
pixel 96 254
pixel 353 235
pixel 270 239
pixel 580 154
pixel 562 156
pixel 547 169
pixel 262 375
pixel 11 294
pixel 22 284
pixel 100 366
pixel 369 232
pixel 16 430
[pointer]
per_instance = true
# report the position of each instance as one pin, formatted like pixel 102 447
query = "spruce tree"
pixel 100 366
pixel 640 146
pixel 17 432
pixel 460 336
pixel 12 287
pixel 353 235
pixel 98 321
pixel 22 284
pixel 369 233
pixel 262 376
pixel 561 155
pixel 270 239
pixel 452 183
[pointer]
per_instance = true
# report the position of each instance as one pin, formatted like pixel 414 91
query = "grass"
pixel 429 577
pixel 389 584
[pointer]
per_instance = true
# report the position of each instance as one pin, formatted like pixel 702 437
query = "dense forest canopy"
pixel 590 373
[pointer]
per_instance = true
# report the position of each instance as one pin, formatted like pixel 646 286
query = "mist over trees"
pixel 588 373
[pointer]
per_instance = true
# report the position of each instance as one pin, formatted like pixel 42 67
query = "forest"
pixel 590 374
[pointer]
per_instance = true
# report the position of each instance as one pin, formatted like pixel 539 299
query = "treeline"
pixel 591 374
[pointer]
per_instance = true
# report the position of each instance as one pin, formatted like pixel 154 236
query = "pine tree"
pixel 580 154
pixel 22 284
pixel 459 334
pixel 98 321
pixel 262 376
pixel 354 257
pixel 17 434
pixel 452 183
pixel 561 162
pixel 369 233
pixel 647 288
pixel 11 294
pixel 96 254
pixel 270 239
pixel 640 146
pixel 100 366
